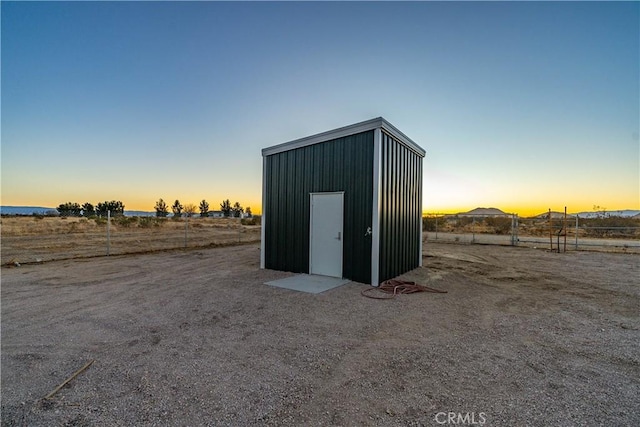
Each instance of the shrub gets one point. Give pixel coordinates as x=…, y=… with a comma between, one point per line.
x=146, y=222
x=254, y=220
x=500, y=225
x=616, y=227
x=149, y=221
x=125, y=221
x=464, y=221
x=429, y=223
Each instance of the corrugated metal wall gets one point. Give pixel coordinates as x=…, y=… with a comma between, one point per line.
x=400, y=213
x=343, y=164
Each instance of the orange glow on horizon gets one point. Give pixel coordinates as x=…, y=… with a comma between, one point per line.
x=147, y=203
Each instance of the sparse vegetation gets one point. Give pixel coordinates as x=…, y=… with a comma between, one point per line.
x=430, y=223
x=28, y=238
x=601, y=227
x=611, y=227
x=500, y=225
x=253, y=220
x=126, y=221
x=149, y=222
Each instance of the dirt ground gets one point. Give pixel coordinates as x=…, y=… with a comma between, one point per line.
x=27, y=239
x=194, y=337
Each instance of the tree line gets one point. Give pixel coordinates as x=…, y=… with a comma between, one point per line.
x=89, y=210
x=162, y=209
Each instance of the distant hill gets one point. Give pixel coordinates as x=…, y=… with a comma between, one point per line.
x=24, y=210
x=554, y=215
x=483, y=212
x=139, y=213
x=40, y=210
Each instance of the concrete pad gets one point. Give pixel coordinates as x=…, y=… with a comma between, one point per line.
x=310, y=283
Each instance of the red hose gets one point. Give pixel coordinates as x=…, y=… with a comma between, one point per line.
x=391, y=288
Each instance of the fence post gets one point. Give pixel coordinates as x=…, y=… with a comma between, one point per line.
x=577, y=232
x=186, y=229
x=564, y=229
x=108, y=231
x=550, y=232
x=436, y=227
x=473, y=230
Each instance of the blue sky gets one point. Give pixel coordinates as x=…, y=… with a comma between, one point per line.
x=520, y=106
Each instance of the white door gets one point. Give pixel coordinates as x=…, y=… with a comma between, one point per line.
x=325, y=251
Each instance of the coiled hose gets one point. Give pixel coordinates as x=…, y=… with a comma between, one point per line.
x=390, y=288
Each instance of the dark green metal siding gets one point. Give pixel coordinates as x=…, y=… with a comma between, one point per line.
x=343, y=164
x=400, y=210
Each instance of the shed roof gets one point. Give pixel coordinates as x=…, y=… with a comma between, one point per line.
x=378, y=122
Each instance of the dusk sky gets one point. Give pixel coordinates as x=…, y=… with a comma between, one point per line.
x=519, y=106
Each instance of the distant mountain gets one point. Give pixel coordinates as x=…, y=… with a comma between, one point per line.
x=24, y=210
x=554, y=215
x=139, y=213
x=40, y=210
x=483, y=212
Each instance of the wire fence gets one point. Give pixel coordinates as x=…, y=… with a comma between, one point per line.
x=31, y=239
x=555, y=232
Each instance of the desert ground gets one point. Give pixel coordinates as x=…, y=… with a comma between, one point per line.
x=29, y=239
x=35, y=239
x=194, y=337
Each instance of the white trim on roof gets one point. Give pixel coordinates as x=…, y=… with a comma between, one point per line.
x=377, y=123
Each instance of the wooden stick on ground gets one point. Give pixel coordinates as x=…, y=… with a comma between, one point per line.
x=65, y=382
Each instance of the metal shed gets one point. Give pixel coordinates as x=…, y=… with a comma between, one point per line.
x=344, y=203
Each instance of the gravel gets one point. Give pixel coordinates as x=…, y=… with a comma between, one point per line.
x=523, y=337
